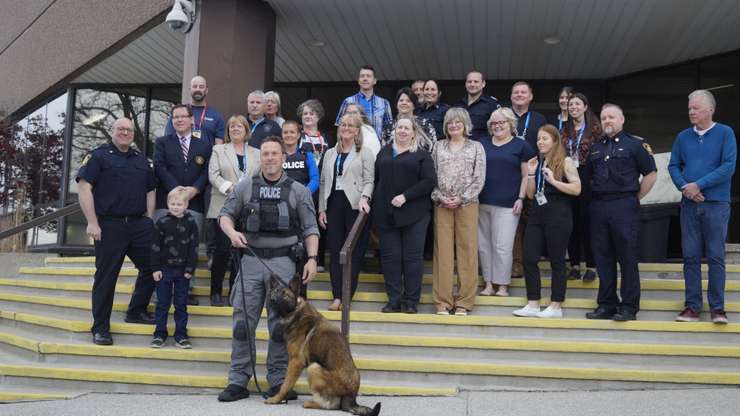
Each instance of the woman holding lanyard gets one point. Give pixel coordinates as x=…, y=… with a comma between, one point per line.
x=560, y=118
x=552, y=180
x=404, y=180
x=310, y=112
x=501, y=200
x=345, y=189
x=578, y=133
x=406, y=102
x=460, y=164
x=229, y=163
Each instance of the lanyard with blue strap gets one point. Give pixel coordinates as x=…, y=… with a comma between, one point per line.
x=539, y=195
x=526, y=125
x=337, y=176
x=574, y=150
x=560, y=122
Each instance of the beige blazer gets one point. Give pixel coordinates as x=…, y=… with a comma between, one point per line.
x=358, y=176
x=223, y=173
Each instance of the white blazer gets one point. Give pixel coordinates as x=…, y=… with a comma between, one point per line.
x=358, y=176
x=223, y=172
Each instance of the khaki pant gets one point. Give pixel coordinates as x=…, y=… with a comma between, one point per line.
x=455, y=230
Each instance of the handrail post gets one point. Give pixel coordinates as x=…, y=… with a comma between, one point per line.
x=345, y=259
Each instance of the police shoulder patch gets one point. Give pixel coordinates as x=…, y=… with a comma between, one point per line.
x=86, y=159
x=647, y=148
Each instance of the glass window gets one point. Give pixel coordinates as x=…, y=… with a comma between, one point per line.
x=162, y=101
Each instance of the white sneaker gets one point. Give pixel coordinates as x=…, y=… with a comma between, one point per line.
x=526, y=311
x=550, y=312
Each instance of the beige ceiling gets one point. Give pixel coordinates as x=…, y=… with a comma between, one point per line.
x=443, y=39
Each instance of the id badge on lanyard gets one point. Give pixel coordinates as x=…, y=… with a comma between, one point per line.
x=574, y=152
x=338, y=175
x=539, y=196
x=196, y=129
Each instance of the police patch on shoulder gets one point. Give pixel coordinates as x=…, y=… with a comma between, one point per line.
x=200, y=160
x=86, y=159
x=648, y=148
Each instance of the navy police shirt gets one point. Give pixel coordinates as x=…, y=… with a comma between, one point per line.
x=120, y=180
x=480, y=111
x=435, y=113
x=615, y=165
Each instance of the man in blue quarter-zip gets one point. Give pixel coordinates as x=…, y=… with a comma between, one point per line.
x=702, y=165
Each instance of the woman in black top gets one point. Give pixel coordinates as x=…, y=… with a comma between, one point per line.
x=404, y=180
x=552, y=182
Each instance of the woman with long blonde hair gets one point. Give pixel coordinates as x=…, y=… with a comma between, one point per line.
x=552, y=181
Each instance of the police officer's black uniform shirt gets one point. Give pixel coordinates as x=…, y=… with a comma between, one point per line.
x=480, y=110
x=435, y=113
x=615, y=165
x=120, y=180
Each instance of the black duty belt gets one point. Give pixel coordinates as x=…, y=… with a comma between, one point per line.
x=268, y=253
x=610, y=196
x=121, y=218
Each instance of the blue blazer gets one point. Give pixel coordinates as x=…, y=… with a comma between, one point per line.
x=172, y=170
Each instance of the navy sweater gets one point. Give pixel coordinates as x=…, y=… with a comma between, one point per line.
x=708, y=160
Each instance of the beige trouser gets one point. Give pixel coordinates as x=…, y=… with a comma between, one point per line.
x=455, y=230
x=496, y=230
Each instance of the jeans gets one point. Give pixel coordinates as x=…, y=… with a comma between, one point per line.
x=704, y=231
x=173, y=284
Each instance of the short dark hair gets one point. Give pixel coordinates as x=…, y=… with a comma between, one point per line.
x=476, y=71
x=409, y=93
x=294, y=123
x=185, y=106
x=273, y=139
x=518, y=83
x=368, y=67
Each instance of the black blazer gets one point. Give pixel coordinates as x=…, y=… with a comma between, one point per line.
x=172, y=170
x=410, y=174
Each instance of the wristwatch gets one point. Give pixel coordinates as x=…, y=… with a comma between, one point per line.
x=314, y=258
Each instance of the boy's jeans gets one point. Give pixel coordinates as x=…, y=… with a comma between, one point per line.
x=173, y=283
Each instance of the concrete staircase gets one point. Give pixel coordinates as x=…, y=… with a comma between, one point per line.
x=46, y=351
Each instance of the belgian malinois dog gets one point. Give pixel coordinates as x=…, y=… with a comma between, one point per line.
x=315, y=343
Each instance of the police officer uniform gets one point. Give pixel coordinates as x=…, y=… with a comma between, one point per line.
x=480, y=111
x=120, y=184
x=614, y=166
x=285, y=217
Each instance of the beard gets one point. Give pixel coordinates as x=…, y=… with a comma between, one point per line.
x=197, y=96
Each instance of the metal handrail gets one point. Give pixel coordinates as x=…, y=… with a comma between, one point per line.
x=345, y=259
x=61, y=212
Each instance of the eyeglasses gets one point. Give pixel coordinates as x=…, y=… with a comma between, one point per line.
x=124, y=130
x=179, y=117
x=345, y=125
x=498, y=123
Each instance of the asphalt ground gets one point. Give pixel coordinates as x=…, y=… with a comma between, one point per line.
x=711, y=401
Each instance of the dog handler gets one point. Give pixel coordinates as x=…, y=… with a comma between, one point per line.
x=277, y=217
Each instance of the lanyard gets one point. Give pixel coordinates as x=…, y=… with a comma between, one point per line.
x=313, y=146
x=540, y=177
x=574, y=150
x=256, y=123
x=202, y=117
x=560, y=122
x=526, y=125
x=339, y=162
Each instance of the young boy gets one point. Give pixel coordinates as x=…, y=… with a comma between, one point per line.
x=174, y=256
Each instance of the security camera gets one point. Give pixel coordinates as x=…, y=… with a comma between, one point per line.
x=182, y=15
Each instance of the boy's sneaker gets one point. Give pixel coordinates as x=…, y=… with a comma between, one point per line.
x=184, y=344
x=719, y=317
x=688, y=315
x=157, y=343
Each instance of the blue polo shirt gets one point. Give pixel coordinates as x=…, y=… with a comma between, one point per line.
x=211, y=125
x=708, y=160
x=504, y=171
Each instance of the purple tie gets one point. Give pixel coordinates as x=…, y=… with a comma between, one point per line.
x=184, y=147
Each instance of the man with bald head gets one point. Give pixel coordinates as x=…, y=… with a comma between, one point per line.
x=116, y=191
x=208, y=123
x=702, y=164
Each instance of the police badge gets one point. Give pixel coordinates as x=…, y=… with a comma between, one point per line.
x=200, y=160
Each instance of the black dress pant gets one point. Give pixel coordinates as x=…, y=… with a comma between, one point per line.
x=222, y=261
x=402, y=254
x=549, y=226
x=579, y=246
x=615, y=230
x=118, y=239
x=340, y=218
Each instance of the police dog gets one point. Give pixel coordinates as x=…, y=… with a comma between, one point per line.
x=315, y=343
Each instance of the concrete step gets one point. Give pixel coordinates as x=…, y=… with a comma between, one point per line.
x=30, y=393
x=134, y=345
x=211, y=364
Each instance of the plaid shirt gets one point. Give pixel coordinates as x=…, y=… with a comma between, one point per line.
x=380, y=115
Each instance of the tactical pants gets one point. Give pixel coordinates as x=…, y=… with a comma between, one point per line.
x=254, y=281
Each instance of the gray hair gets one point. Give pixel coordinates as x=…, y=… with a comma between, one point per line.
x=610, y=105
x=706, y=95
x=458, y=113
x=275, y=96
x=259, y=93
x=506, y=113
